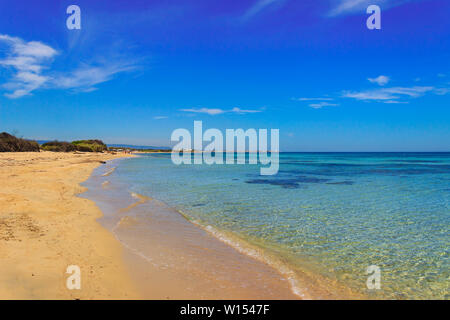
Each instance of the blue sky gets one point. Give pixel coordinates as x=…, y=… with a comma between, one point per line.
x=137, y=70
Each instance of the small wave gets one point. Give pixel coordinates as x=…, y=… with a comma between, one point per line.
x=107, y=173
x=134, y=250
x=141, y=200
x=127, y=221
x=140, y=197
x=105, y=184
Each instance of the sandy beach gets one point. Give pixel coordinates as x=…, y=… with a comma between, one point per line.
x=45, y=227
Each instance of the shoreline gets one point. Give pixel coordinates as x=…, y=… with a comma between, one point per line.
x=46, y=227
x=170, y=257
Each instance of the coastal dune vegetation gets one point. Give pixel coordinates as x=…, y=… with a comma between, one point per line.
x=80, y=145
x=58, y=146
x=90, y=145
x=10, y=143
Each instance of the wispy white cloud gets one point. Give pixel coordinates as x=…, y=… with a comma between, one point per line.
x=243, y=111
x=26, y=60
x=29, y=63
x=209, y=111
x=390, y=95
x=380, y=80
x=442, y=91
x=160, y=117
x=259, y=6
x=320, y=105
x=369, y=95
x=312, y=99
x=85, y=77
x=413, y=92
x=395, y=102
x=343, y=7
x=216, y=111
x=32, y=49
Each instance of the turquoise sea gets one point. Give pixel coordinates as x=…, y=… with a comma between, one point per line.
x=331, y=213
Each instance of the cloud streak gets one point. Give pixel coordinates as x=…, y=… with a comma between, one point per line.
x=350, y=6
x=344, y=7
x=29, y=63
x=312, y=99
x=217, y=111
x=259, y=6
x=388, y=95
x=85, y=77
x=391, y=95
x=320, y=105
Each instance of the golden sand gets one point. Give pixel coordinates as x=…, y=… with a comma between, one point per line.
x=45, y=227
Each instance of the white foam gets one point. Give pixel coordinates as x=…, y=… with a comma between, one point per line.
x=257, y=254
x=107, y=173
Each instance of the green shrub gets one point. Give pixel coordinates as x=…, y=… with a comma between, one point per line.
x=80, y=145
x=58, y=146
x=90, y=145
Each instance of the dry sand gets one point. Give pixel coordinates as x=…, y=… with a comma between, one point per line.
x=45, y=227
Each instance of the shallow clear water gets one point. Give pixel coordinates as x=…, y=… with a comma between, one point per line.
x=335, y=213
